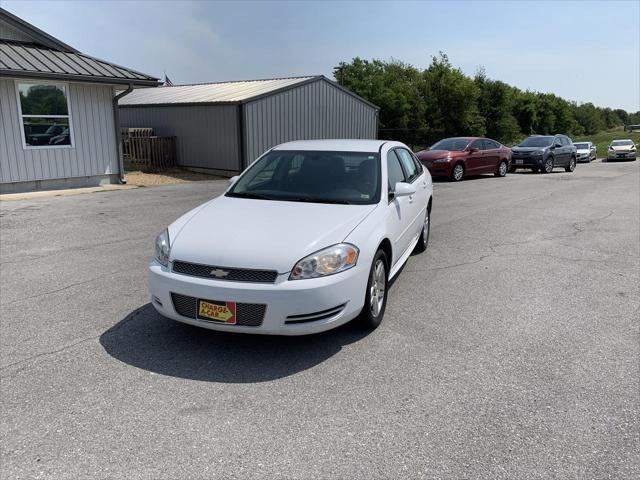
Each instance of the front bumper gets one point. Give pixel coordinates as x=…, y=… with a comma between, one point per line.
x=621, y=155
x=283, y=299
x=529, y=161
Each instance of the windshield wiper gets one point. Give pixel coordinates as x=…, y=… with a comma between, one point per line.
x=257, y=196
x=317, y=200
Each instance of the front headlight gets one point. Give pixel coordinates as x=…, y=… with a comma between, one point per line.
x=442, y=160
x=328, y=261
x=163, y=247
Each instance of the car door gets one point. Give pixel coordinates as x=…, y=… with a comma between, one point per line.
x=475, y=161
x=559, y=154
x=414, y=175
x=399, y=209
x=490, y=157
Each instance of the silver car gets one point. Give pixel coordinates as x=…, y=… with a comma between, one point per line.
x=587, y=151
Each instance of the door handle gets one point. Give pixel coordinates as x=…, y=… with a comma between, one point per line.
x=410, y=198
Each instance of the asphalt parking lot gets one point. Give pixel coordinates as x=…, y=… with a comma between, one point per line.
x=510, y=349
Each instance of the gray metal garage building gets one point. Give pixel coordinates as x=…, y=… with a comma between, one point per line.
x=223, y=127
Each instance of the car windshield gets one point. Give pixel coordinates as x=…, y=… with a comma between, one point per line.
x=537, y=142
x=312, y=176
x=581, y=146
x=451, y=144
x=620, y=143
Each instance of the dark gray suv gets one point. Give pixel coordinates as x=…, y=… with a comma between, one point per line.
x=543, y=153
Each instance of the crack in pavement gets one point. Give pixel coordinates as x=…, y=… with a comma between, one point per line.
x=51, y=292
x=110, y=331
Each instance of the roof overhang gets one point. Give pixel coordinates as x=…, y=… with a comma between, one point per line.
x=78, y=78
x=34, y=32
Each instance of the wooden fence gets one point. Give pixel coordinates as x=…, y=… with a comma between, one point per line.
x=144, y=151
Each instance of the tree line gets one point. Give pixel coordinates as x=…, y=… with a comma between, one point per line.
x=420, y=107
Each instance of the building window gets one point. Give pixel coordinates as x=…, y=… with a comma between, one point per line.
x=44, y=113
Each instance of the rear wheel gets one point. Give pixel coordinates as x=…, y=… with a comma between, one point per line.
x=572, y=165
x=423, y=241
x=502, y=169
x=375, y=300
x=457, y=173
x=548, y=165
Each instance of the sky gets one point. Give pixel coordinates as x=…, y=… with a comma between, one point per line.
x=583, y=51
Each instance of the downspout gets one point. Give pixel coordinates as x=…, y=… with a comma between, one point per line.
x=116, y=121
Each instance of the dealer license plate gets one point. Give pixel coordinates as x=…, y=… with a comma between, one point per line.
x=223, y=312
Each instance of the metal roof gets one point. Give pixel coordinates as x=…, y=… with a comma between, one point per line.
x=20, y=59
x=223, y=92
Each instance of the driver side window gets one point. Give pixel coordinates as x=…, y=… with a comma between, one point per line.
x=394, y=170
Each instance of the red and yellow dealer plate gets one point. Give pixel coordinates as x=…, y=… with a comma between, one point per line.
x=223, y=312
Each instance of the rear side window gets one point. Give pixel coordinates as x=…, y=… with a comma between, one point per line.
x=490, y=144
x=479, y=144
x=410, y=169
x=394, y=170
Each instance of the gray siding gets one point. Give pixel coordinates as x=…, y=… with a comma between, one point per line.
x=207, y=136
x=7, y=32
x=94, y=152
x=317, y=110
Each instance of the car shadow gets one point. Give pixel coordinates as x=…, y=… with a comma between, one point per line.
x=147, y=340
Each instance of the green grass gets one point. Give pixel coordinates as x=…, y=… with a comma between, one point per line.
x=603, y=139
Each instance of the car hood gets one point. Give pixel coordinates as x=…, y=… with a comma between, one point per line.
x=262, y=234
x=434, y=154
x=621, y=148
x=528, y=149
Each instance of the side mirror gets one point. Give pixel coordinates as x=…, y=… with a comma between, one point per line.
x=233, y=180
x=473, y=150
x=404, y=189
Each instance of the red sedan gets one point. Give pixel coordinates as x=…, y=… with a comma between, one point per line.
x=458, y=157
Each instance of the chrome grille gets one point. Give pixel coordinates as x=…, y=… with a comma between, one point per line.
x=248, y=314
x=224, y=273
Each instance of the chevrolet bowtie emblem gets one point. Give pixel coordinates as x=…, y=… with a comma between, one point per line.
x=218, y=273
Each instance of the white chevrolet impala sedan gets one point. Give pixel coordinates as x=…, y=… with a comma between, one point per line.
x=306, y=239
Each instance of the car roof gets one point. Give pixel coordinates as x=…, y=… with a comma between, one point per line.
x=336, y=145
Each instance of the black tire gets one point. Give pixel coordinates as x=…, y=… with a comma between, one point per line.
x=423, y=241
x=457, y=173
x=368, y=318
x=549, y=163
x=572, y=165
x=503, y=167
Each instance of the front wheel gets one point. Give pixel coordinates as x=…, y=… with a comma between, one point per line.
x=457, y=173
x=375, y=300
x=572, y=165
x=502, y=169
x=423, y=241
x=548, y=165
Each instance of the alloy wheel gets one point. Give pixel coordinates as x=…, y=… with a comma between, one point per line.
x=572, y=165
x=425, y=231
x=458, y=172
x=548, y=165
x=378, y=287
x=503, y=169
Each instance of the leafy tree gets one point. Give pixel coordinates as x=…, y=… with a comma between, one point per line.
x=420, y=107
